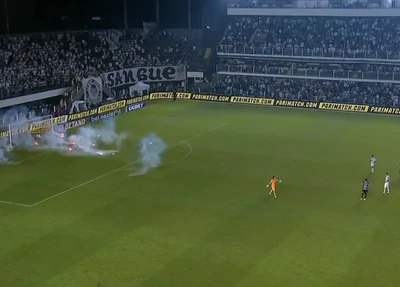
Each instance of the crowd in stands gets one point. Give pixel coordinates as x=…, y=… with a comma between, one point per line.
x=310, y=4
x=46, y=61
x=323, y=33
x=311, y=90
x=51, y=106
x=31, y=63
x=326, y=34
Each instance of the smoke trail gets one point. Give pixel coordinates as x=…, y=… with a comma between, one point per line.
x=3, y=158
x=52, y=140
x=16, y=117
x=105, y=133
x=13, y=115
x=87, y=138
x=150, y=150
x=83, y=142
x=24, y=141
x=5, y=151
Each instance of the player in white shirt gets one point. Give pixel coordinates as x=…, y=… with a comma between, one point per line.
x=386, y=185
x=372, y=163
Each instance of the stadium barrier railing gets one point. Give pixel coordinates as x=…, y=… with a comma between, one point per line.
x=255, y=51
x=124, y=106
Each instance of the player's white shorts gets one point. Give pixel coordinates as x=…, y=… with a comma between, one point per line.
x=372, y=165
x=386, y=186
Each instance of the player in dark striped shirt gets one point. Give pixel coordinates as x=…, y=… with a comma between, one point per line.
x=365, y=188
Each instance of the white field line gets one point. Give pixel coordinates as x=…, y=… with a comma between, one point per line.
x=34, y=156
x=203, y=133
x=183, y=157
x=21, y=161
x=186, y=142
x=79, y=185
x=190, y=150
x=118, y=169
x=14, y=203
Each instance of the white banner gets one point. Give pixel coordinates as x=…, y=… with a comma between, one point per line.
x=145, y=74
x=148, y=28
x=113, y=39
x=93, y=90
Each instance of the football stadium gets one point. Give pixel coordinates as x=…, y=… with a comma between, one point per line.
x=156, y=170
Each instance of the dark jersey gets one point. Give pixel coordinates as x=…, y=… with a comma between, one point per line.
x=365, y=186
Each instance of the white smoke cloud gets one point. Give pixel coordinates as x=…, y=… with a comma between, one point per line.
x=14, y=116
x=151, y=149
x=84, y=142
x=87, y=139
x=3, y=157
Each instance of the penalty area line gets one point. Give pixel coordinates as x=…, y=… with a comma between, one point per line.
x=80, y=185
x=203, y=133
x=14, y=203
x=183, y=157
x=189, y=146
x=34, y=156
x=117, y=169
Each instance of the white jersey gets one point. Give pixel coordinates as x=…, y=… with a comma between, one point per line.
x=373, y=161
x=386, y=185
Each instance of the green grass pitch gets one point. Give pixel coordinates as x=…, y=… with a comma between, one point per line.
x=204, y=218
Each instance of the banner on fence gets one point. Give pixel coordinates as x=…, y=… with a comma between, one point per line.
x=108, y=115
x=210, y=98
x=138, y=99
x=183, y=96
x=254, y=101
x=344, y=107
x=296, y=104
x=60, y=120
x=114, y=109
x=134, y=107
x=75, y=124
x=383, y=110
x=163, y=95
x=93, y=90
x=81, y=115
x=111, y=107
x=144, y=74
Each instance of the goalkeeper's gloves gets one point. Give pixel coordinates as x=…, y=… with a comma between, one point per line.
x=267, y=185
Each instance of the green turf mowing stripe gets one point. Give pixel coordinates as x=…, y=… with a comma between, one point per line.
x=208, y=220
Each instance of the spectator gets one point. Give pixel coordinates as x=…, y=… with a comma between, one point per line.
x=39, y=62
x=308, y=4
x=355, y=35
x=312, y=90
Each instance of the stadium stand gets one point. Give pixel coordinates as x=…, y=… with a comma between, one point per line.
x=40, y=62
x=33, y=63
x=313, y=90
x=308, y=4
x=338, y=59
x=373, y=38
x=335, y=71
